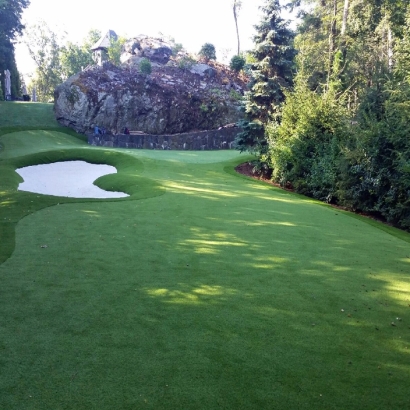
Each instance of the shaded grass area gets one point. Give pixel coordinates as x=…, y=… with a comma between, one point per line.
x=221, y=293
x=396, y=232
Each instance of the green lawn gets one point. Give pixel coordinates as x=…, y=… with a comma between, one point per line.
x=202, y=290
x=23, y=114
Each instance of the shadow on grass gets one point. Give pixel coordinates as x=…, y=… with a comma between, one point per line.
x=280, y=322
x=223, y=294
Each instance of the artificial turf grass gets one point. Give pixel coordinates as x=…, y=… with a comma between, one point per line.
x=135, y=323
x=27, y=114
x=21, y=143
x=398, y=233
x=15, y=205
x=203, y=298
x=201, y=327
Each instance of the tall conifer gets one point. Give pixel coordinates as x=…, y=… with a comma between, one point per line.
x=271, y=73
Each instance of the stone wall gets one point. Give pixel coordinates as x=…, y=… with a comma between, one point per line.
x=199, y=140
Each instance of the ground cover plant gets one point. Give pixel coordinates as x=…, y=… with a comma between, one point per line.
x=202, y=290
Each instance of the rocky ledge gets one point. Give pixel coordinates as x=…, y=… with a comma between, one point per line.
x=174, y=98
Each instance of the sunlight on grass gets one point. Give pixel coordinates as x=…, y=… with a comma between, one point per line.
x=209, y=247
x=191, y=157
x=214, y=243
x=403, y=347
x=272, y=312
x=264, y=223
x=195, y=296
x=399, y=290
x=93, y=214
x=268, y=262
x=341, y=269
x=7, y=203
x=290, y=200
x=178, y=188
x=312, y=272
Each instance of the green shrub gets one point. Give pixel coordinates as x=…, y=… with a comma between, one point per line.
x=186, y=62
x=145, y=66
x=208, y=52
x=234, y=95
x=304, y=149
x=375, y=171
x=237, y=63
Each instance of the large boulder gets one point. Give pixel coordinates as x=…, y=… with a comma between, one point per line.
x=170, y=100
x=203, y=70
x=157, y=50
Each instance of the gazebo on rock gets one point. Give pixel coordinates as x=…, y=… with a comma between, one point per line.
x=100, y=48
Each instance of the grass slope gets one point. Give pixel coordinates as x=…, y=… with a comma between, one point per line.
x=26, y=114
x=212, y=291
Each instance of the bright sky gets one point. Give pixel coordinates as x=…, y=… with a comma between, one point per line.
x=189, y=22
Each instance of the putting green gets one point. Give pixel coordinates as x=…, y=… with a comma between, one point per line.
x=211, y=291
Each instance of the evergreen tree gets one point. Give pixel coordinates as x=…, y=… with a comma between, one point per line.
x=343, y=131
x=271, y=73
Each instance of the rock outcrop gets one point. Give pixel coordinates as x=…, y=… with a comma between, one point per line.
x=172, y=99
x=157, y=50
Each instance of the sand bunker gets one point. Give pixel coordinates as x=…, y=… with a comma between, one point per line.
x=70, y=179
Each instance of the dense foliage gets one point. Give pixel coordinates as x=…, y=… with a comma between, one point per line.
x=44, y=48
x=56, y=60
x=341, y=132
x=75, y=57
x=10, y=28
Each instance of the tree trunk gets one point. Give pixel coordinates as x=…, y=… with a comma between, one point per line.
x=345, y=16
x=235, y=16
x=332, y=41
x=390, y=48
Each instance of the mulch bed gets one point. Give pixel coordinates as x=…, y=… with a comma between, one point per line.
x=248, y=169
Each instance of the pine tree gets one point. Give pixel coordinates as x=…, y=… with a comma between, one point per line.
x=271, y=73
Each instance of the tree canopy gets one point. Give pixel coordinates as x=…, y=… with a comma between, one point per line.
x=10, y=28
x=10, y=18
x=339, y=129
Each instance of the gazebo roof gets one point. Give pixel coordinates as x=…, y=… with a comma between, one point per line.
x=104, y=41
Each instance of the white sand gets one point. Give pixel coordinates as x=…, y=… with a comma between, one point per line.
x=70, y=179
